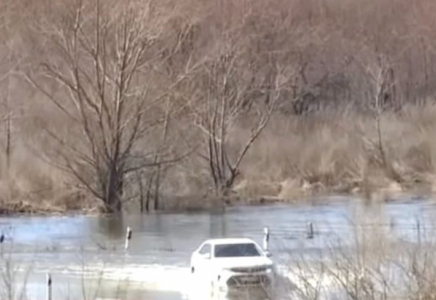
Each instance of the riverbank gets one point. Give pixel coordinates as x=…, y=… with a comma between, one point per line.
x=300, y=195
x=61, y=206
x=295, y=159
x=323, y=154
x=197, y=204
x=284, y=193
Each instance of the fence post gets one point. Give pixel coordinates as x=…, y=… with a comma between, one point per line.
x=49, y=284
x=128, y=237
x=310, y=233
x=265, y=238
x=2, y=239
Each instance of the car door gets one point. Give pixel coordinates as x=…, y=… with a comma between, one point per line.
x=203, y=259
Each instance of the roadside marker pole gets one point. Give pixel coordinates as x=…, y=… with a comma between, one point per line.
x=265, y=238
x=49, y=284
x=2, y=239
x=310, y=230
x=128, y=237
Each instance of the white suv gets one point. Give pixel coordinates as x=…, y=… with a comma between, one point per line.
x=228, y=264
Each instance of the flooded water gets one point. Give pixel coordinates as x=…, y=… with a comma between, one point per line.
x=86, y=258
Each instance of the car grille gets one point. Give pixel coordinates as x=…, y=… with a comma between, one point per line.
x=236, y=281
x=249, y=270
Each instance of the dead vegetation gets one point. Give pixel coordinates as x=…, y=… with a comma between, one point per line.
x=372, y=263
x=341, y=155
x=112, y=103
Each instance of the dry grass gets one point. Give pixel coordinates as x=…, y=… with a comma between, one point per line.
x=376, y=265
x=339, y=153
x=16, y=277
x=33, y=186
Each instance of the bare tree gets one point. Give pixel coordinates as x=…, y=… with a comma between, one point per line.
x=231, y=93
x=105, y=63
x=382, y=83
x=10, y=64
x=154, y=177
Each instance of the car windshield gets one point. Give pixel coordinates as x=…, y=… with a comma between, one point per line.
x=236, y=250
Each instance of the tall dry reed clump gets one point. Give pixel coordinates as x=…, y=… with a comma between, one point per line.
x=343, y=153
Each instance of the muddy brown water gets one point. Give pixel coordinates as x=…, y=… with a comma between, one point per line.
x=86, y=258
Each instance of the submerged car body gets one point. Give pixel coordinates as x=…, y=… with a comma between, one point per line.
x=232, y=263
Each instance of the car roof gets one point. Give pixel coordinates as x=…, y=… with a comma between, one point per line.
x=229, y=241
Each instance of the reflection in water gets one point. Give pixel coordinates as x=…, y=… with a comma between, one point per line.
x=162, y=226
x=217, y=225
x=112, y=226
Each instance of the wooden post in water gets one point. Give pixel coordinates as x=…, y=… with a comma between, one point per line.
x=265, y=238
x=49, y=284
x=310, y=233
x=2, y=239
x=128, y=237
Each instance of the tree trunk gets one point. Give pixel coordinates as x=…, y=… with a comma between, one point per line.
x=156, y=191
x=114, y=190
x=148, y=197
x=141, y=191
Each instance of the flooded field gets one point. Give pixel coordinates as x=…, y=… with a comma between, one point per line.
x=86, y=257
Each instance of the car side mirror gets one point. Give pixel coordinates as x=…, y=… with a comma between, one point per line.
x=205, y=255
x=268, y=254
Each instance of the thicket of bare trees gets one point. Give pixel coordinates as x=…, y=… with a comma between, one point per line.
x=105, y=61
x=142, y=101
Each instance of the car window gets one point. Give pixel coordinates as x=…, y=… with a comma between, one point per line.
x=236, y=250
x=205, y=249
